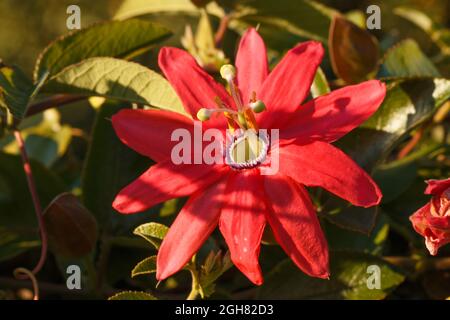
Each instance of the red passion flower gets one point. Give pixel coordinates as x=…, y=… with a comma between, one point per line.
x=432, y=221
x=236, y=196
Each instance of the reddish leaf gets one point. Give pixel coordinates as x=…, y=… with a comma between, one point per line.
x=71, y=228
x=354, y=52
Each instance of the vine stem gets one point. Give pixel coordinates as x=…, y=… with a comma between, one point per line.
x=22, y=272
x=192, y=267
x=194, y=290
x=54, y=101
x=37, y=207
x=220, y=33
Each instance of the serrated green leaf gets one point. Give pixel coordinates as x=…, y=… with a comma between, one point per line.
x=15, y=91
x=214, y=266
x=116, y=79
x=152, y=232
x=132, y=295
x=115, y=39
x=320, y=85
x=348, y=280
x=407, y=60
x=407, y=104
x=146, y=266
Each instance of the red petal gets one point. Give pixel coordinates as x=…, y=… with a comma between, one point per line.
x=164, y=181
x=149, y=131
x=437, y=186
x=331, y=116
x=295, y=225
x=419, y=219
x=251, y=64
x=194, y=86
x=191, y=228
x=321, y=164
x=288, y=84
x=242, y=222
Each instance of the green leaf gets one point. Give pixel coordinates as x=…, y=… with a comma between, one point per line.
x=18, y=225
x=132, y=8
x=437, y=32
x=351, y=217
x=320, y=85
x=146, y=266
x=395, y=177
x=132, y=295
x=14, y=242
x=116, y=79
x=15, y=91
x=348, y=280
x=213, y=267
x=122, y=39
x=109, y=166
x=302, y=18
x=407, y=60
x=342, y=239
x=407, y=104
x=18, y=210
x=353, y=51
x=152, y=232
x=46, y=139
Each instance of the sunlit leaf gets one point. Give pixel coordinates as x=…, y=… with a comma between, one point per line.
x=407, y=60
x=436, y=31
x=116, y=79
x=46, y=139
x=15, y=91
x=152, y=232
x=320, y=84
x=407, y=104
x=146, y=266
x=132, y=295
x=132, y=8
x=115, y=39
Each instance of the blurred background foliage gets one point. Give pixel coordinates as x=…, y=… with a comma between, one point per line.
x=74, y=149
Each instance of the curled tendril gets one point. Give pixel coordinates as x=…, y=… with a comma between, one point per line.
x=23, y=273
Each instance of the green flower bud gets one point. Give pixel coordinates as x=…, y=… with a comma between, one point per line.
x=228, y=72
x=204, y=114
x=257, y=106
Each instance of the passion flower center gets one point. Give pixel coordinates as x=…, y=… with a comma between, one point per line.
x=247, y=150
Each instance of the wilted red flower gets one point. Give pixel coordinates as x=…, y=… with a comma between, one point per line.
x=238, y=198
x=432, y=221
